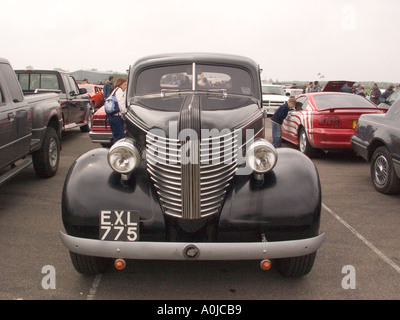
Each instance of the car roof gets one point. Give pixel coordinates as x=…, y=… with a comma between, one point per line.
x=199, y=57
x=3, y=60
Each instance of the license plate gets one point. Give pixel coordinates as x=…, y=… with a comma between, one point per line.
x=119, y=225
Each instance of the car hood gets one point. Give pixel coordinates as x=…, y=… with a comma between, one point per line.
x=335, y=86
x=161, y=113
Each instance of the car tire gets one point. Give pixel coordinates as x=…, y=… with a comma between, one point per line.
x=304, y=144
x=88, y=125
x=296, y=267
x=47, y=158
x=383, y=175
x=89, y=265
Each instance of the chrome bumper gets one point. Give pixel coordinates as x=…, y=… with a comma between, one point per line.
x=192, y=251
x=99, y=137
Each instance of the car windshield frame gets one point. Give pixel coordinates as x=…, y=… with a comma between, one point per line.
x=341, y=100
x=210, y=78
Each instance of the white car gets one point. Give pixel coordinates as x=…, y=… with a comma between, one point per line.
x=293, y=93
x=273, y=96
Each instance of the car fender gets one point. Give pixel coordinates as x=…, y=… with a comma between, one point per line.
x=92, y=186
x=288, y=199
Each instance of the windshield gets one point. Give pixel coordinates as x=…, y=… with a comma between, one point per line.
x=273, y=90
x=206, y=77
x=89, y=89
x=328, y=101
x=393, y=97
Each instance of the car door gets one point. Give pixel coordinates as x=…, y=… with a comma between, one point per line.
x=294, y=119
x=15, y=114
x=78, y=103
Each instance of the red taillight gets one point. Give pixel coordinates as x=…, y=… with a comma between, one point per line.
x=329, y=122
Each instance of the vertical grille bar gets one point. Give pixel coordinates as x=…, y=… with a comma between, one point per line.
x=190, y=158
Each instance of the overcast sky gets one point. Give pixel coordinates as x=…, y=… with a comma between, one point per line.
x=290, y=39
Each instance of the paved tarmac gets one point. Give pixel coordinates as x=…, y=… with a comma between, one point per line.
x=359, y=260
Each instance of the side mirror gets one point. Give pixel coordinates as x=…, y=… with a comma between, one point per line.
x=288, y=94
x=82, y=90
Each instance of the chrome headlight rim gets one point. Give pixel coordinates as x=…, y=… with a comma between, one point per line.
x=123, y=157
x=255, y=149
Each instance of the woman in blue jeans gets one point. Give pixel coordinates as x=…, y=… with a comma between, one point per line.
x=117, y=124
x=277, y=120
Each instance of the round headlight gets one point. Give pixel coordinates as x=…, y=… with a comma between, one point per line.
x=123, y=156
x=261, y=156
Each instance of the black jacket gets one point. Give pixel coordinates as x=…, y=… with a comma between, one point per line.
x=280, y=114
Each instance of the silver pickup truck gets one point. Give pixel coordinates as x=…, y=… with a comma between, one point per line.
x=30, y=128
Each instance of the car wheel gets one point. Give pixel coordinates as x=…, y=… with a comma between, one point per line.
x=88, y=125
x=89, y=265
x=304, y=144
x=383, y=174
x=296, y=267
x=47, y=158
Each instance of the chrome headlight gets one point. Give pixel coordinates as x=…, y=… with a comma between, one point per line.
x=261, y=156
x=123, y=156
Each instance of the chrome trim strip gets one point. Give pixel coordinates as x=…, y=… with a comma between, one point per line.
x=207, y=250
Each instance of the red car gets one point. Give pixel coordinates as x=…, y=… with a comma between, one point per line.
x=325, y=120
x=101, y=132
x=95, y=92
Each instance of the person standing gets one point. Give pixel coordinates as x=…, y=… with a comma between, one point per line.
x=375, y=94
x=277, y=120
x=116, y=121
x=317, y=87
x=108, y=87
x=310, y=87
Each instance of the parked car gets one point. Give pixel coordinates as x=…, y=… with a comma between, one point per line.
x=30, y=128
x=338, y=86
x=95, y=93
x=387, y=103
x=184, y=184
x=273, y=96
x=100, y=129
x=377, y=140
x=293, y=93
x=76, y=106
x=325, y=120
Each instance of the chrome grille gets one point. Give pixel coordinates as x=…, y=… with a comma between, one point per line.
x=192, y=190
x=267, y=103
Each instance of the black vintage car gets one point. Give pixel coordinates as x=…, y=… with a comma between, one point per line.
x=195, y=179
x=377, y=139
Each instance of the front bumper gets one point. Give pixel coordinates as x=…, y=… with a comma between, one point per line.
x=360, y=147
x=192, y=251
x=101, y=137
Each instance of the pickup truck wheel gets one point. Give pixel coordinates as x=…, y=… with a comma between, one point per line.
x=297, y=266
x=47, y=158
x=383, y=174
x=304, y=144
x=88, y=265
x=88, y=126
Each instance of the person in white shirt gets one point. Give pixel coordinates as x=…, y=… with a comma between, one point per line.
x=117, y=124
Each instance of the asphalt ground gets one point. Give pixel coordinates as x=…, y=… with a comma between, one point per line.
x=360, y=259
